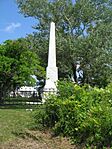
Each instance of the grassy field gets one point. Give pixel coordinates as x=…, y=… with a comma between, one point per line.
x=15, y=132
x=13, y=122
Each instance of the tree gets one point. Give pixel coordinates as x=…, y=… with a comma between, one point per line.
x=83, y=33
x=17, y=63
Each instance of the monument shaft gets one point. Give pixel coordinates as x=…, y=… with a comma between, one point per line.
x=52, y=70
x=52, y=47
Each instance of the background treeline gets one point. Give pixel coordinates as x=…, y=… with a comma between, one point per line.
x=17, y=63
x=83, y=33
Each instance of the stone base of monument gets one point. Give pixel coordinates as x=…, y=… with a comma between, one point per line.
x=49, y=89
x=47, y=94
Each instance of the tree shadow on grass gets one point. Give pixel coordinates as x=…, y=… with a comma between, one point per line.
x=20, y=103
x=14, y=106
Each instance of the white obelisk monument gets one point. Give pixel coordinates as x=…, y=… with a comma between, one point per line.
x=51, y=70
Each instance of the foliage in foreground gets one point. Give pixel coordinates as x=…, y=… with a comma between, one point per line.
x=82, y=113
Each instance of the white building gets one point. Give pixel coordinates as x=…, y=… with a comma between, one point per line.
x=27, y=91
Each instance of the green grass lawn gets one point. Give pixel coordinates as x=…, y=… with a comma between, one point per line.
x=16, y=132
x=13, y=122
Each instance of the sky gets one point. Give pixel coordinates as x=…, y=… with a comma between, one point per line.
x=13, y=25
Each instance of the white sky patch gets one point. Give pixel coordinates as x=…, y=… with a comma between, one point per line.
x=11, y=27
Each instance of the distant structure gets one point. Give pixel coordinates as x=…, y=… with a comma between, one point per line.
x=78, y=74
x=51, y=70
x=27, y=91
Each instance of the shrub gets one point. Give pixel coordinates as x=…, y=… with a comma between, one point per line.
x=66, y=89
x=83, y=113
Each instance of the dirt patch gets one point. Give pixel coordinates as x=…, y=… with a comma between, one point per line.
x=38, y=140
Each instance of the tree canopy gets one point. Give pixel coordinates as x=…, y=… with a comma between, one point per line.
x=17, y=64
x=83, y=33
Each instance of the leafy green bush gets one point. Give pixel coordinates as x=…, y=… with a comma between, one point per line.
x=66, y=89
x=83, y=113
x=39, y=116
